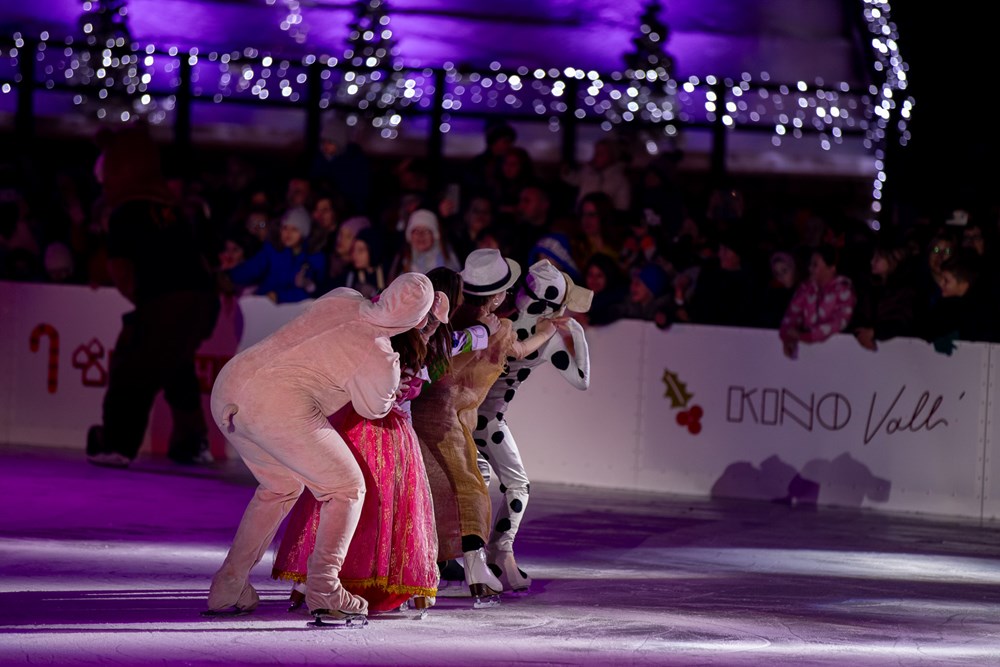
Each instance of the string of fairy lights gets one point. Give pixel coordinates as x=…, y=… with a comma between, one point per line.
x=113, y=77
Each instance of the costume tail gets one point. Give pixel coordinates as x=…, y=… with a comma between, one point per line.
x=228, y=413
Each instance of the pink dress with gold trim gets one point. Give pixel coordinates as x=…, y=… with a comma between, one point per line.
x=393, y=553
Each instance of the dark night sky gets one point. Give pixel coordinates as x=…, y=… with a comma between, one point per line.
x=951, y=161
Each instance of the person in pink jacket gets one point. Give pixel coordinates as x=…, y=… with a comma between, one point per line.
x=820, y=307
x=272, y=401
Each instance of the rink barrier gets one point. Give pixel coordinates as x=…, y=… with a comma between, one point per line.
x=694, y=410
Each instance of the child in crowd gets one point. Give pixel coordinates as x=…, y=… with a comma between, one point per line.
x=288, y=274
x=822, y=305
x=425, y=247
x=366, y=274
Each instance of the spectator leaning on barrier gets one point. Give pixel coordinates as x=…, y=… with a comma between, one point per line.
x=822, y=305
x=287, y=274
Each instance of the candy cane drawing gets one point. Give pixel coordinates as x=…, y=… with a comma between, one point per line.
x=36, y=341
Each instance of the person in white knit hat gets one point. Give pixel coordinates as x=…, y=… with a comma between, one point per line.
x=425, y=247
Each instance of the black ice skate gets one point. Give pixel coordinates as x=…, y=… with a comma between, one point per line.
x=333, y=618
x=228, y=612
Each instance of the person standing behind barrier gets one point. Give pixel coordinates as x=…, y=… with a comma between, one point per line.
x=287, y=274
x=156, y=263
x=273, y=402
x=822, y=305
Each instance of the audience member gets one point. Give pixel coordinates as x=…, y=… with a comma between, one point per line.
x=822, y=305
x=603, y=173
x=289, y=274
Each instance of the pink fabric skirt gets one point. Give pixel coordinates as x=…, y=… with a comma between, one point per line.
x=393, y=554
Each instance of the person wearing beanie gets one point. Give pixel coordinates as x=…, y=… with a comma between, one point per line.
x=648, y=298
x=444, y=417
x=58, y=262
x=555, y=248
x=287, y=274
x=425, y=247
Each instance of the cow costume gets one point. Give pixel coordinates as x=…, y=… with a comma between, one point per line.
x=546, y=292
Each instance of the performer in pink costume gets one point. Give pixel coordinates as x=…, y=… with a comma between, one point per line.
x=273, y=400
x=393, y=554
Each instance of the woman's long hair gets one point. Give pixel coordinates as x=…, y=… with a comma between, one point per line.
x=439, y=346
x=411, y=349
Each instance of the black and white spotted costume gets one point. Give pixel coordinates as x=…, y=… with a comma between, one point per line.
x=544, y=294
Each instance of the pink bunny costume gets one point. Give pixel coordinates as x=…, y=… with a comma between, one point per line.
x=273, y=400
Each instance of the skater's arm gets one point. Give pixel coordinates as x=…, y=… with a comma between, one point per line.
x=573, y=362
x=543, y=332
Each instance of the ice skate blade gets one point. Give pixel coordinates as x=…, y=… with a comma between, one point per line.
x=482, y=591
x=485, y=602
x=323, y=618
x=225, y=613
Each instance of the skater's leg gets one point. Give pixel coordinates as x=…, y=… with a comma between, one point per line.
x=328, y=467
x=505, y=460
x=278, y=490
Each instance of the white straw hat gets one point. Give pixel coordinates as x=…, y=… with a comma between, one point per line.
x=488, y=272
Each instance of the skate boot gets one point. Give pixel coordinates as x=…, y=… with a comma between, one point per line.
x=452, y=583
x=483, y=583
x=511, y=576
x=297, y=597
x=98, y=455
x=422, y=603
x=246, y=603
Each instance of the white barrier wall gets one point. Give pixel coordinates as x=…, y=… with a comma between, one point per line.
x=900, y=429
x=693, y=410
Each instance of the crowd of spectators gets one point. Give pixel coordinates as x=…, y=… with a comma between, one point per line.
x=648, y=249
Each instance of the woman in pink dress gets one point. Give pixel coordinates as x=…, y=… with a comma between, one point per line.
x=393, y=554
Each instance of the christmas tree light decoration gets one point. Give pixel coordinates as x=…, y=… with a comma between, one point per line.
x=891, y=67
x=374, y=83
x=292, y=22
x=107, y=74
x=108, y=61
x=650, y=91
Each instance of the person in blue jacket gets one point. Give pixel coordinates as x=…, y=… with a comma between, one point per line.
x=286, y=274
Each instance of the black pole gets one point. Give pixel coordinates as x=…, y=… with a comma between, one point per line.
x=182, y=119
x=24, y=117
x=718, y=162
x=314, y=112
x=888, y=215
x=435, y=139
x=571, y=96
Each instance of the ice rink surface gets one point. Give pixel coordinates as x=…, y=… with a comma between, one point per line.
x=111, y=567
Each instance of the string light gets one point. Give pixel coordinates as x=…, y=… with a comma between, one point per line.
x=369, y=81
x=374, y=84
x=105, y=68
x=889, y=102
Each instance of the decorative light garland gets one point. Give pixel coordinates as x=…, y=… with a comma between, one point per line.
x=369, y=81
x=893, y=69
x=107, y=61
x=374, y=82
